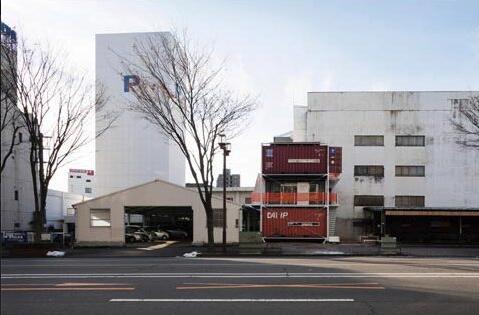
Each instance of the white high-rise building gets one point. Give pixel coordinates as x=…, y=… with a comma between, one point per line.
x=133, y=151
x=17, y=199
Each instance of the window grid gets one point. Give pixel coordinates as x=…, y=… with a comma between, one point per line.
x=410, y=170
x=218, y=217
x=369, y=141
x=369, y=200
x=100, y=218
x=369, y=170
x=410, y=141
x=409, y=201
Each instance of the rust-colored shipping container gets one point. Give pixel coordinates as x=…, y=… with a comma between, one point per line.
x=294, y=158
x=294, y=222
x=335, y=160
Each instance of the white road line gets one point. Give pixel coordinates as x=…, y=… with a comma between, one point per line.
x=232, y=300
x=244, y=275
x=55, y=264
x=110, y=265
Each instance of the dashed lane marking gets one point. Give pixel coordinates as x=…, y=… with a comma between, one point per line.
x=200, y=286
x=232, y=300
x=67, y=289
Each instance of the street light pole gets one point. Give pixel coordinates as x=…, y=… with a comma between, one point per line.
x=224, y=200
x=226, y=147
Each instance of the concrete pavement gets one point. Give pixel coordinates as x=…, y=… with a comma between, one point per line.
x=342, y=285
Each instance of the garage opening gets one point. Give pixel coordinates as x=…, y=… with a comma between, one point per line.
x=434, y=229
x=148, y=224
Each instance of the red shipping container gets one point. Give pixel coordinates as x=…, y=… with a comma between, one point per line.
x=294, y=158
x=294, y=222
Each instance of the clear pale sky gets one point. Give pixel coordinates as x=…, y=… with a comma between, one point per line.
x=279, y=50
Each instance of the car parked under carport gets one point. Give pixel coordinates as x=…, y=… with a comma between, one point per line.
x=101, y=221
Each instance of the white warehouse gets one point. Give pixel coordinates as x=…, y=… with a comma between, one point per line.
x=132, y=151
x=400, y=161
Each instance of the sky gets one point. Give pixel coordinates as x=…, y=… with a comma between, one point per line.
x=278, y=50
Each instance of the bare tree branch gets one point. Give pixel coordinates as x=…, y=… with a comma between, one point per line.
x=180, y=92
x=55, y=104
x=466, y=122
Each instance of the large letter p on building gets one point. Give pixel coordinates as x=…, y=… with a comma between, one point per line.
x=130, y=81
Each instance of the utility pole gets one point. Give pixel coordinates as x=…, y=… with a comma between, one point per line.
x=226, y=147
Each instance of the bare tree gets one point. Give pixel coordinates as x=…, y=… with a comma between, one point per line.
x=9, y=113
x=179, y=91
x=466, y=122
x=56, y=106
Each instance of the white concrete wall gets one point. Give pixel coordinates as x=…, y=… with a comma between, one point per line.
x=452, y=172
x=16, y=176
x=58, y=202
x=133, y=151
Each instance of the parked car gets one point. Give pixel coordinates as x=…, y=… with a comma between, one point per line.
x=156, y=234
x=132, y=237
x=175, y=233
x=138, y=232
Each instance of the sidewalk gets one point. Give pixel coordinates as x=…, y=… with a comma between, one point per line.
x=146, y=250
x=359, y=249
x=287, y=249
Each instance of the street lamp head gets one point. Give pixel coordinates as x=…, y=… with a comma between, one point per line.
x=222, y=138
x=225, y=146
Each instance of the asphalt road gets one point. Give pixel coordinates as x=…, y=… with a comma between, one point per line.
x=299, y=286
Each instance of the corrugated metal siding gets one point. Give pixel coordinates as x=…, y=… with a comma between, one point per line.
x=294, y=222
x=294, y=158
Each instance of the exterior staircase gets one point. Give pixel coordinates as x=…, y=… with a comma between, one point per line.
x=332, y=222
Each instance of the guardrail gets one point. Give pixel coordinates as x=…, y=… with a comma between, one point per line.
x=294, y=198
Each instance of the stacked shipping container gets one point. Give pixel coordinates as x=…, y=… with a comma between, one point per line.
x=294, y=222
x=294, y=158
x=296, y=168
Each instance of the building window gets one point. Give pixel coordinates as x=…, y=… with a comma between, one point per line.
x=409, y=170
x=87, y=190
x=369, y=140
x=16, y=194
x=100, y=217
x=369, y=200
x=70, y=211
x=247, y=200
x=410, y=141
x=218, y=217
x=269, y=153
x=369, y=170
x=20, y=137
x=71, y=176
x=229, y=198
x=88, y=180
x=409, y=201
x=78, y=176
